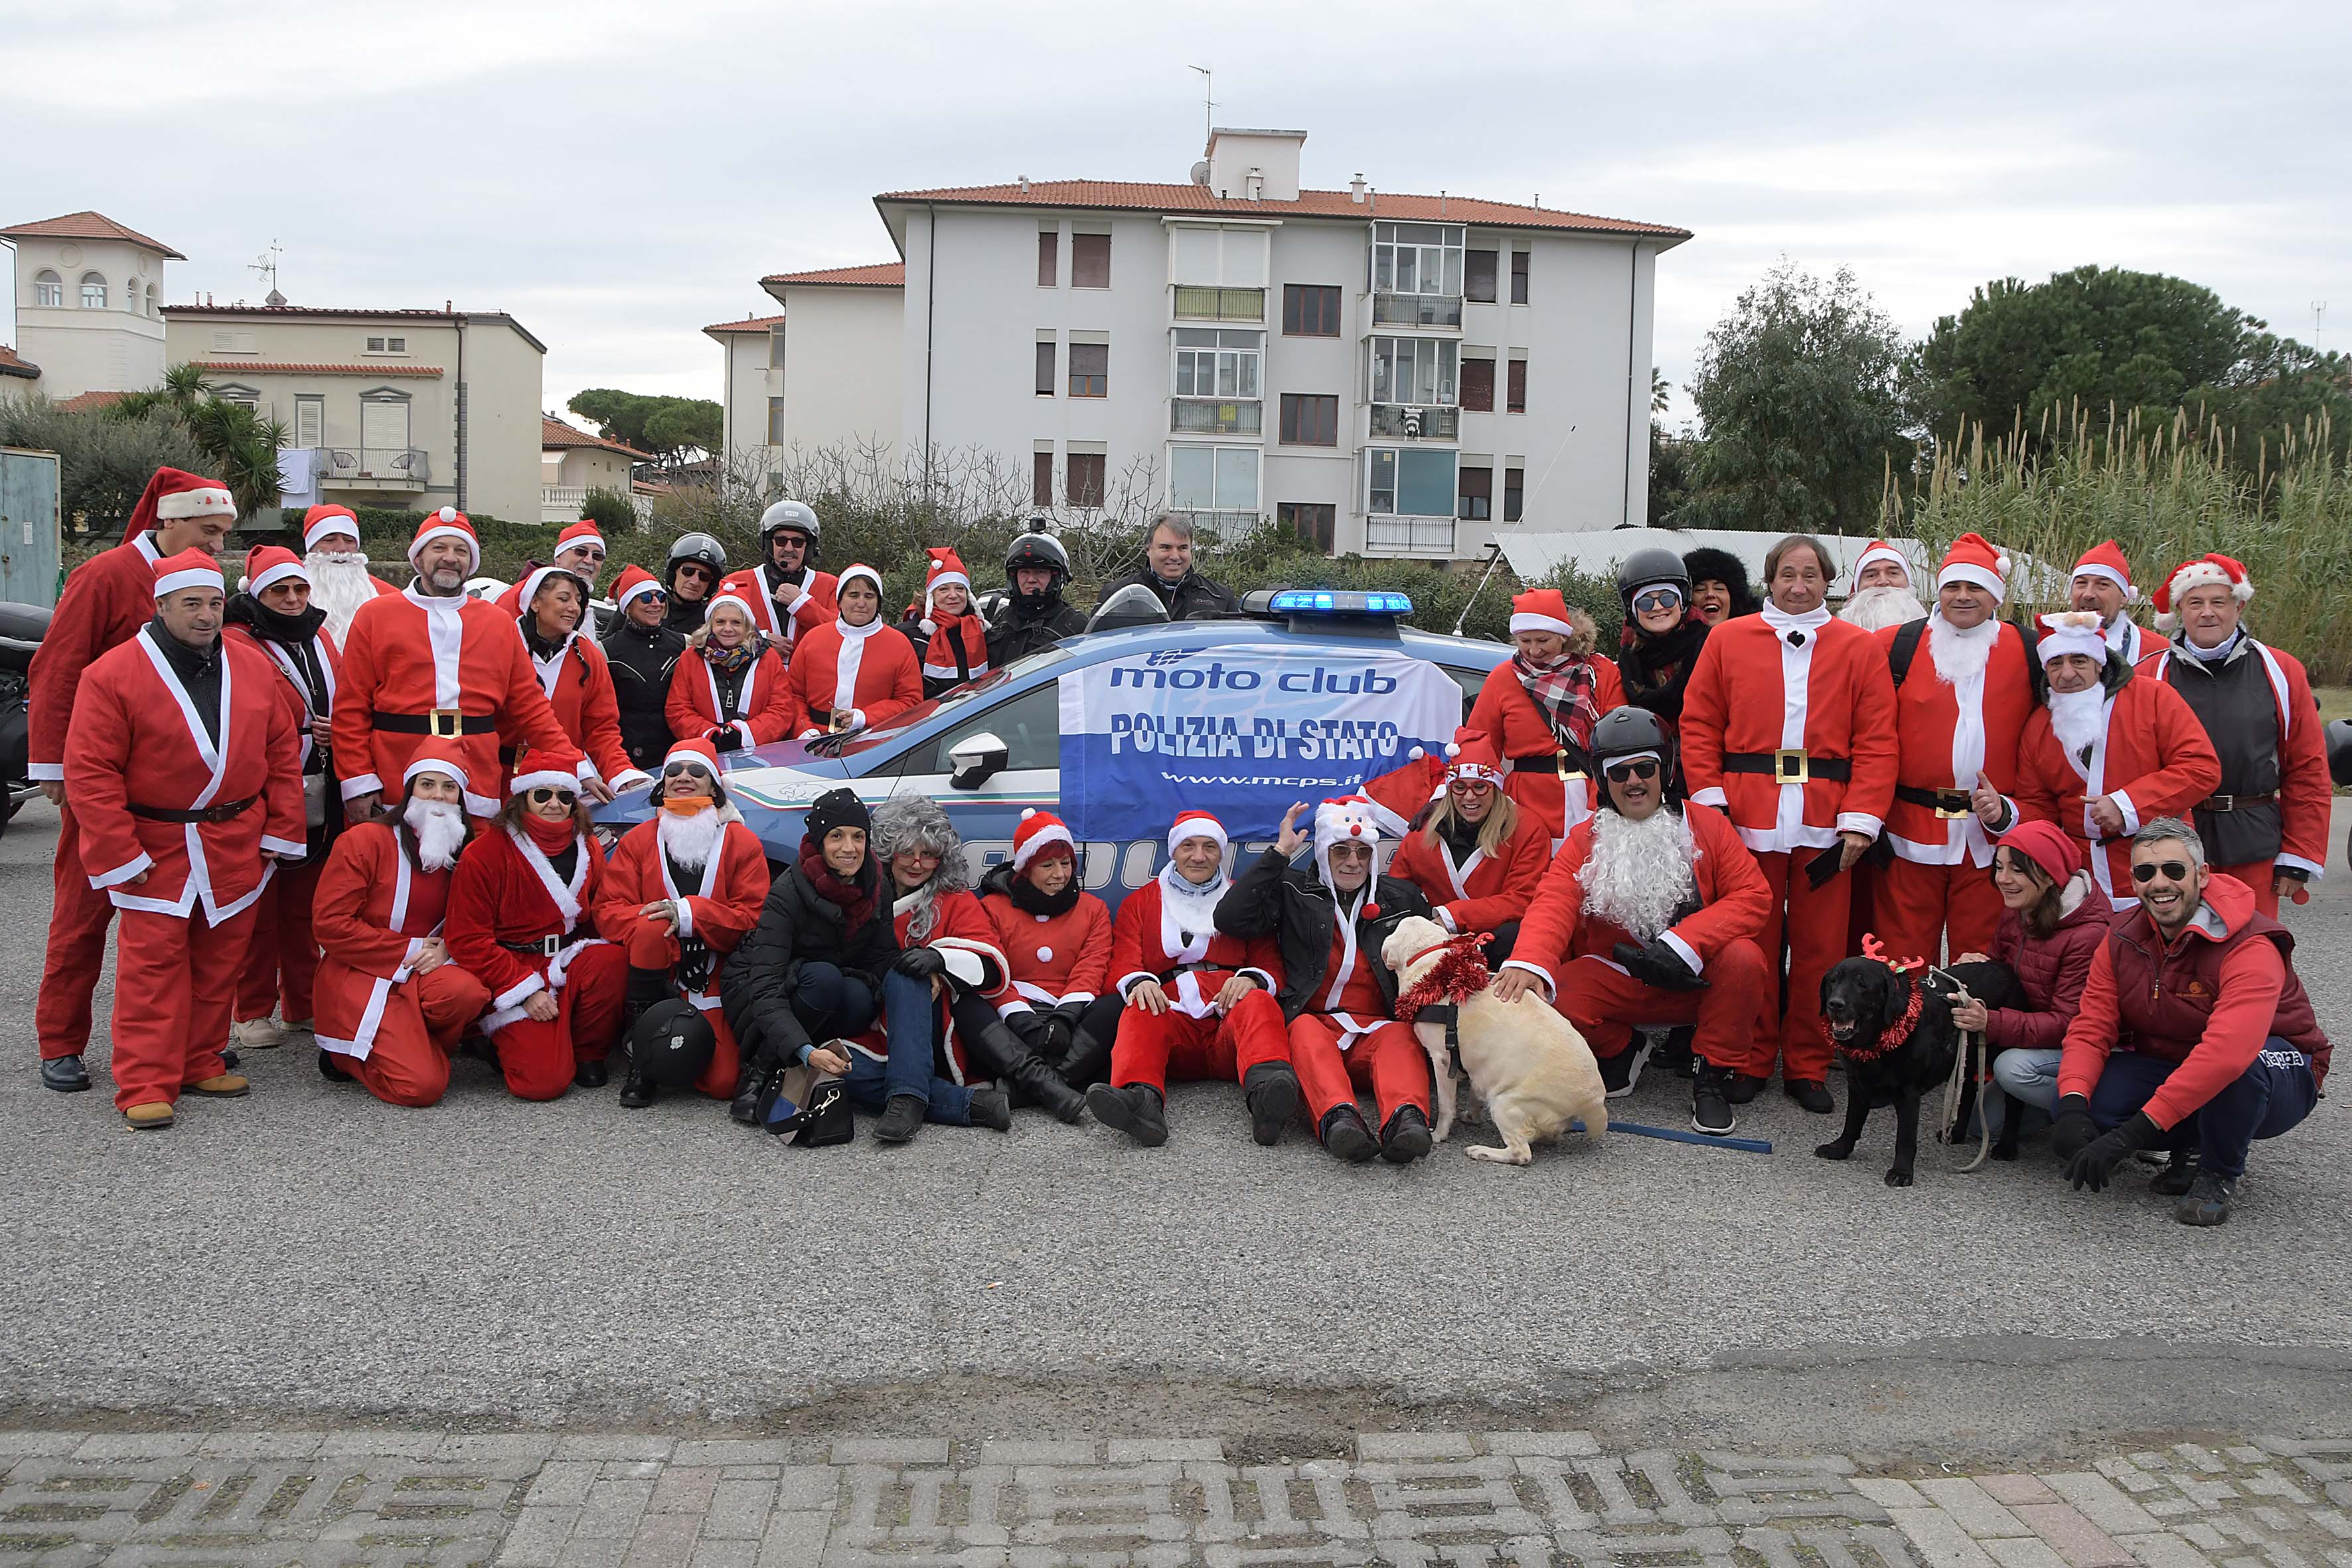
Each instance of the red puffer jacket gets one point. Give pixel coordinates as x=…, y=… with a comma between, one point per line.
x=2051, y=968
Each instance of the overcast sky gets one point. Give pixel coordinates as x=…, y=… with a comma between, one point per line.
x=619, y=175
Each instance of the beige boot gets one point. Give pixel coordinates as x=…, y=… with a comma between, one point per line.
x=148, y=1116
x=222, y=1085
x=257, y=1035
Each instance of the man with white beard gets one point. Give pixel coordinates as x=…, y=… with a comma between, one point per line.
x=1649, y=918
x=2107, y=750
x=390, y=1005
x=1882, y=595
x=340, y=579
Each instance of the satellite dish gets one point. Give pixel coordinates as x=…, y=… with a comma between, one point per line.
x=1200, y=172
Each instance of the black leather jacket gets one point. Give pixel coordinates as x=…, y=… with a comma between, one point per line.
x=641, y=661
x=1194, y=597
x=1013, y=635
x=1290, y=903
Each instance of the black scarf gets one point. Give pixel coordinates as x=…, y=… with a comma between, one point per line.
x=199, y=671
x=1026, y=898
x=1460, y=833
x=1657, y=667
x=540, y=647
x=297, y=636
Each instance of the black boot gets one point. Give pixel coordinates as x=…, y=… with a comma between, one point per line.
x=64, y=1074
x=750, y=1083
x=1085, y=1063
x=636, y=1091
x=1811, y=1093
x=330, y=1070
x=992, y=1108
x=1710, y=1106
x=1037, y=1083
x=901, y=1119
x=1676, y=1056
x=2177, y=1176
x=1344, y=1133
x=1406, y=1137
x=591, y=1074
x=1740, y=1087
x=1136, y=1110
x=1272, y=1090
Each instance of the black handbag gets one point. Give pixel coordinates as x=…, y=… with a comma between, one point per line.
x=808, y=1109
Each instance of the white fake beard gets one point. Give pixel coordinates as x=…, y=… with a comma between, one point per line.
x=1640, y=873
x=689, y=840
x=2079, y=719
x=1875, y=609
x=1960, y=655
x=439, y=827
x=339, y=584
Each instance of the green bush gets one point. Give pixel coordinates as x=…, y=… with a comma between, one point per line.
x=609, y=509
x=103, y=464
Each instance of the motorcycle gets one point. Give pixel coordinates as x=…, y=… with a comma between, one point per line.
x=21, y=626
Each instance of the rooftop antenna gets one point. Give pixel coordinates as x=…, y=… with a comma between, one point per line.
x=265, y=265
x=1208, y=103
x=2318, y=320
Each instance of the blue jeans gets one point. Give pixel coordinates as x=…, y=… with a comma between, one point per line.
x=2030, y=1075
x=831, y=1005
x=2274, y=1092
x=908, y=1021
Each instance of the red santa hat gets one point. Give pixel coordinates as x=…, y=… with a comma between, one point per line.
x=544, y=767
x=694, y=750
x=270, y=564
x=1196, y=824
x=436, y=756
x=191, y=568
x=738, y=601
x=1040, y=835
x=2106, y=558
x=946, y=567
x=1879, y=550
x=2208, y=570
x=1541, y=610
x=1474, y=755
x=1973, y=559
x=537, y=579
x=175, y=493
x=633, y=583
x=322, y=521
x=580, y=532
x=447, y=522
x=2072, y=631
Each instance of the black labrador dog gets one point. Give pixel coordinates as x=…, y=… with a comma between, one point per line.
x=1866, y=1002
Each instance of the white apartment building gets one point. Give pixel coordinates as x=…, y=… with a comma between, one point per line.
x=1400, y=375
x=90, y=295
x=845, y=327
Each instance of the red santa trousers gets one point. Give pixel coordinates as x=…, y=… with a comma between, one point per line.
x=173, y=978
x=1814, y=925
x=79, y=914
x=537, y=1058
x=2259, y=876
x=1920, y=908
x=1730, y=1014
x=649, y=949
x=282, y=959
x=1388, y=1061
x=409, y=1063
x=1151, y=1049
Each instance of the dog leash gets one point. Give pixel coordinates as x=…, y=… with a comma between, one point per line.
x=1972, y=1041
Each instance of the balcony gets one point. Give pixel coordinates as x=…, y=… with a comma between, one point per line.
x=1416, y=422
x=1431, y=536
x=1215, y=416
x=1439, y=310
x=379, y=471
x=1219, y=525
x=1202, y=302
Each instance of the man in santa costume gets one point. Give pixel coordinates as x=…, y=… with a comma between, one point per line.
x=2109, y=749
x=850, y=673
x=431, y=661
x=1476, y=856
x=1787, y=728
x=340, y=579
x=1648, y=917
x=1338, y=995
x=1541, y=707
x=579, y=551
x=181, y=761
x=573, y=673
x=2101, y=584
x=106, y=599
x=392, y=1004
x=1882, y=595
x=1199, y=1003
x=1960, y=711
x=274, y=616
x=947, y=632
x=2267, y=822
x=788, y=595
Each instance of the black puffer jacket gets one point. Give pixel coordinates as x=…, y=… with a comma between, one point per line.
x=641, y=662
x=1014, y=633
x=1291, y=904
x=798, y=925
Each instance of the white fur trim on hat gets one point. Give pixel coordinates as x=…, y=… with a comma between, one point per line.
x=1201, y=827
x=279, y=574
x=1039, y=840
x=546, y=778
x=2099, y=569
x=325, y=527
x=209, y=502
x=190, y=577
x=1968, y=572
x=2072, y=631
x=2205, y=575
x=1523, y=621
x=444, y=524
x=636, y=591
x=737, y=600
x=867, y=573
x=1882, y=553
x=434, y=765
x=687, y=752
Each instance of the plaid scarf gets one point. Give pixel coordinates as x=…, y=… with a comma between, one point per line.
x=1563, y=695
x=737, y=659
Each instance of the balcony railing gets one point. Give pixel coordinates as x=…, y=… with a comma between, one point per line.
x=396, y=466
x=1224, y=525
x=1215, y=416
x=1416, y=310
x=1410, y=535
x=1416, y=421
x=1202, y=302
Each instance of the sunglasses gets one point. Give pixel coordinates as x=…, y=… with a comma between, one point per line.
x=2174, y=871
x=544, y=794
x=700, y=574
x=596, y=555
x=1657, y=599
x=1626, y=773
x=679, y=770
x=1351, y=851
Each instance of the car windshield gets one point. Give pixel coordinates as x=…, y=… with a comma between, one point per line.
x=851, y=741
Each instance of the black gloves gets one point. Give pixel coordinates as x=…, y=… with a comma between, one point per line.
x=1657, y=964
x=2071, y=1130
x=727, y=740
x=922, y=963
x=2090, y=1165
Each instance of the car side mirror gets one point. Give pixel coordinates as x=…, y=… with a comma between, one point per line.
x=976, y=759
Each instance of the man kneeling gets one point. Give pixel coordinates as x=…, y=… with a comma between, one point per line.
x=2224, y=1045
x=1649, y=916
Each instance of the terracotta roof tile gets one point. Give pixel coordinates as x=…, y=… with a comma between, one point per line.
x=14, y=364
x=86, y=226
x=750, y=324
x=84, y=401
x=299, y=312
x=393, y=369
x=874, y=274
x=1141, y=197
x=554, y=434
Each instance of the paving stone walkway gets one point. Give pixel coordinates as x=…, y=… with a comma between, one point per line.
x=1512, y=1500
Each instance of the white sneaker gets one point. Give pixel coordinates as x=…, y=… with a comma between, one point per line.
x=257, y=1035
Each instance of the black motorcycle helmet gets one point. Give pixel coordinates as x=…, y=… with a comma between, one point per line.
x=696, y=547
x=672, y=1044
x=1037, y=549
x=2339, y=750
x=1629, y=731
x=1647, y=568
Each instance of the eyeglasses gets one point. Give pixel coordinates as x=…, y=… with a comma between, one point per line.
x=679, y=770
x=1658, y=599
x=591, y=555
x=544, y=794
x=2174, y=871
x=1351, y=851
x=1626, y=773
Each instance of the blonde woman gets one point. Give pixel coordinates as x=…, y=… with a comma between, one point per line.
x=729, y=688
x=1479, y=857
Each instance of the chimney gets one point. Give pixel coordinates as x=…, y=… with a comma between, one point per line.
x=1255, y=183
x=1356, y=188
x=1025, y=184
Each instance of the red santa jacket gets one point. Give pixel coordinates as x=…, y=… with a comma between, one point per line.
x=1947, y=733
x=1192, y=960
x=137, y=742
x=107, y=598
x=1734, y=902
x=1756, y=695
x=1053, y=959
x=2153, y=758
x=505, y=890
x=1505, y=710
x=763, y=711
x=718, y=911
x=815, y=604
x=968, y=939
x=1480, y=891
x=578, y=682
x=456, y=662
x=837, y=666
x=372, y=911
x=2307, y=792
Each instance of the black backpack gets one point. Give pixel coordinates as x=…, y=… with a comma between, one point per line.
x=1908, y=636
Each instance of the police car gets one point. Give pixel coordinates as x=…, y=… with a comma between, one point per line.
x=994, y=749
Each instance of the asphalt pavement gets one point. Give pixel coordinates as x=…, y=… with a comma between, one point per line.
x=308, y=1254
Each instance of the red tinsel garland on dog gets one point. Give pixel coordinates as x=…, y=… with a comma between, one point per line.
x=1460, y=974
x=1888, y=1039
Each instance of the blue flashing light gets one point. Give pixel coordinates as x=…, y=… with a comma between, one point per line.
x=1336, y=602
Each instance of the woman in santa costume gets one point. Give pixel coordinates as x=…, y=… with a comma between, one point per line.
x=1479, y=857
x=1541, y=707
x=1198, y=1004
x=1789, y=729
x=274, y=616
x=2108, y=750
x=522, y=921
x=1966, y=695
x=1061, y=1015
x=679, y=895
x=572, y=672
x=2101, y=584
x=2267, y=822
x=729, y=688
x=947, y=634
x=392, y=1003
x=849, y=673
x=181, y=761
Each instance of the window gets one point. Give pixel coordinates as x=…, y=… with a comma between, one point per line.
x=1086, y=479
x=1310, y=309
x=775, y=422
x=399, y=346
x=1518, y=278
x=775, y=347
x=1089, y=261
x=1089, y=369
x=1213, y=363
x=1212, y=479
x=1046, y=368
x=1478, y=276
x=1479, y=385
x=1309, y=419
x=154, y=305
x=1414, y=370
x=1049, y=256
x=1415, y=481
x=1515, y=487
x=1315, y=524
x=235, y=342
x=1417, y=257
x=1514, y=395
x=1228, y=257
x=1030, y=725
x=49, y=289
x=1474, y=496
x=94, y=292
x=1041, y=479
x=309, y=421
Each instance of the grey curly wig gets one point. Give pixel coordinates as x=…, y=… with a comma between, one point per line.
x=913, y=822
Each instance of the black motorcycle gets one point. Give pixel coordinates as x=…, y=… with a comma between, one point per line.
x=21, y=626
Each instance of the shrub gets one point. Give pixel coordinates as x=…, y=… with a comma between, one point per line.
x=609, y=509
x=103, y=464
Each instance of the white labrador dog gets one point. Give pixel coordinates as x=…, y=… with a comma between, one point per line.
x=1528, y=1064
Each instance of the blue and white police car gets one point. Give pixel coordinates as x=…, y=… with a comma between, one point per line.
x=1309, y=694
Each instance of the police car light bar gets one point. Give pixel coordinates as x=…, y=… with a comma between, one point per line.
x=1338, y=602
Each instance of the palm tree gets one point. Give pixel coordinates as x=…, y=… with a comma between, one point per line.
x=240, y=446
x=184, y=388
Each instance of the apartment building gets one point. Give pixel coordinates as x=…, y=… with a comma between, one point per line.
x=839, y=331
x=89, y=294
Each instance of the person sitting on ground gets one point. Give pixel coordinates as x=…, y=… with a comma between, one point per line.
x=945, y=630
x=1882, y=595
x=1721, y=590
x=1477, y=855
x=1035, y=616
x=1337, y=993
x=1664, y=632
x=641, y=653
x=2223, y=1046
x=1061, y=1012
x=690, y=576
x=1167, y=571
x=573, y=671
x=1541, y=705
x=678, y=895
x=729, y=687
x=849, y=673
